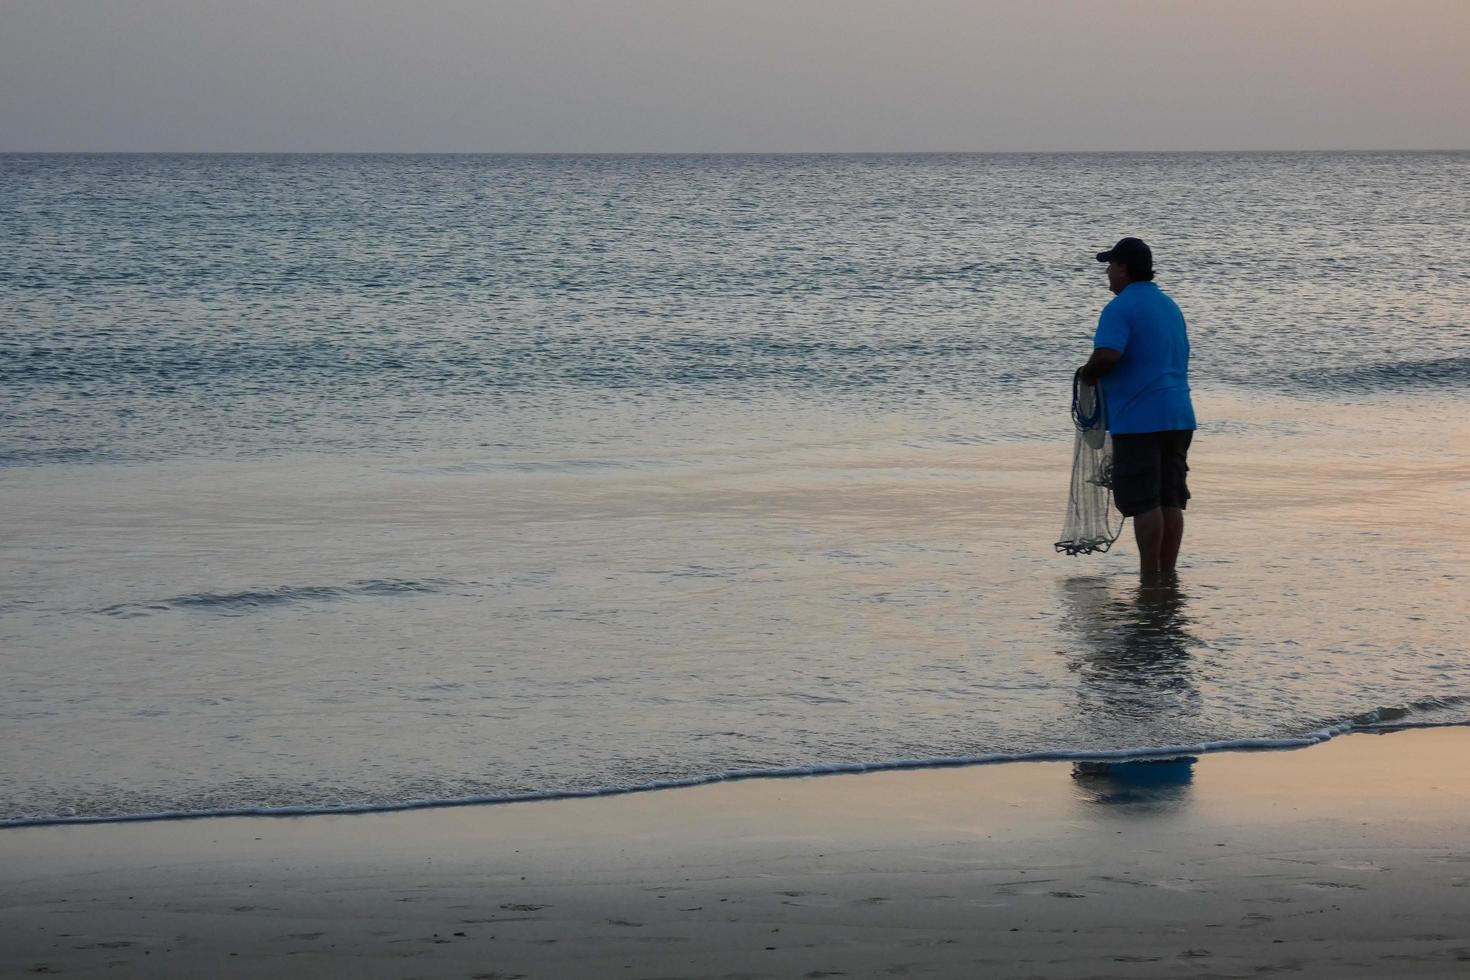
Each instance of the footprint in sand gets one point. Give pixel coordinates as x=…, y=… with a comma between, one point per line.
x=1180, y=885
x=1358, y=866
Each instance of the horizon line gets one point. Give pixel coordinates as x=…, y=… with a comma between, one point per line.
x=630, y=153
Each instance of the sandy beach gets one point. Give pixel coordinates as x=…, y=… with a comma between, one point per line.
x=1347, y=859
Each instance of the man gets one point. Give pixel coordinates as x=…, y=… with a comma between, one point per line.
x=1141, y=353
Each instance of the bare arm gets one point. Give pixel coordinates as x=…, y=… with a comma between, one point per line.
x=1103, y=360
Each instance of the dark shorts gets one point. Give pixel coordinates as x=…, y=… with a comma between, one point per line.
x=1150, y=469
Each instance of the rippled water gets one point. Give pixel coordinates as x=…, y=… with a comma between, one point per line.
x=359, y=480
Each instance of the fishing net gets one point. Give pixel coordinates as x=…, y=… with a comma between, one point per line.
x=1089, y=523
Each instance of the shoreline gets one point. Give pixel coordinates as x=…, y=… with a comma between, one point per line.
x=1348, y=858
x=1145, y=754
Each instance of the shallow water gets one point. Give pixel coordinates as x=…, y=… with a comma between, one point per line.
x=368, y=480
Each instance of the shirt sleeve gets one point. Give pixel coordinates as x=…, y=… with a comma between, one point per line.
x=1112, y=329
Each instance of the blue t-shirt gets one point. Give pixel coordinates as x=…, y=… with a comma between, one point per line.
x=1148, y=390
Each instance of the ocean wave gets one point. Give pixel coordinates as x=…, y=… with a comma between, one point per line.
x=51, y=455
x=1419, y=714
x=1434, y=372
x=353, y=366
x=1415, y=714
x=476, y=467
x=254, y=600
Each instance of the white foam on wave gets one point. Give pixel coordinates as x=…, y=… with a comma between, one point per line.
x=1369, y=723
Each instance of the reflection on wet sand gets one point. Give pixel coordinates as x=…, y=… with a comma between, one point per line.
x=1134, y=663
x=1158, y=783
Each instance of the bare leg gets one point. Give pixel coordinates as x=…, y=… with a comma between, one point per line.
x=1148, y=531
x=1173, y=535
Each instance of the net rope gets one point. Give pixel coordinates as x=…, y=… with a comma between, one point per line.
x=1088, y=526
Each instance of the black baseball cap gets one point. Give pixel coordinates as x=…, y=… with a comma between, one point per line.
x=1131, y=252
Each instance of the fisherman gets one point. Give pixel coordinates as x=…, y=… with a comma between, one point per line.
x=1141, y=353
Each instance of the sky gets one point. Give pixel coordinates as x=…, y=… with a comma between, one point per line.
x=732, y=75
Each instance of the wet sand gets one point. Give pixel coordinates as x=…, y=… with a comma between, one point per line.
x=1348, y=859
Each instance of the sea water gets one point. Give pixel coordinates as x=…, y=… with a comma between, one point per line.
x=360, y=481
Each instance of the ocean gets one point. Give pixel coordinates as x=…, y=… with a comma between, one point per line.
x=367, y=481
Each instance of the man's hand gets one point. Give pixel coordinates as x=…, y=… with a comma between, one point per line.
x=1103, y=360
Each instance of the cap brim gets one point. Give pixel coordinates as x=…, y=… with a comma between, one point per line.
x=1105, y=256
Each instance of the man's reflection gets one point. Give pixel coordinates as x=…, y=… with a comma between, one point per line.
x=1136, y=683
x=1157, y=782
